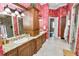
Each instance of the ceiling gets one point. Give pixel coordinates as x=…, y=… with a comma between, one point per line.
x=51, y=5
x=56, y=5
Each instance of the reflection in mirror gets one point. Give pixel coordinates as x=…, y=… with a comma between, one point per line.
x=20, y=21
x=6, y=27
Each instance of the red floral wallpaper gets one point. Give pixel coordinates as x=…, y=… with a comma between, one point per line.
x=53, y=13
x=43, y=16
x=15, y=25
x=60, y=12
x=1, y=7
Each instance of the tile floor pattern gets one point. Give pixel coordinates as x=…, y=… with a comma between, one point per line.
x=53, y=47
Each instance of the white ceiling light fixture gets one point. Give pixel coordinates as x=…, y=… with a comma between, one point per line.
x=22, y=14
x=16, y=12
x=4, y=12
x=7, y=9
x=18, y=15
x=13, y=14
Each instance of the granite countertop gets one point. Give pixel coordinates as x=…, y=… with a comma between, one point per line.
x=17, y=43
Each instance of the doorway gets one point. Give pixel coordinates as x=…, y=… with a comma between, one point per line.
x=53, y=27
x=63, y=24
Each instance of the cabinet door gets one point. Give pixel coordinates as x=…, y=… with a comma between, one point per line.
x=36, y=21
x=33, y=48
x=63, y=24
x=12, y=53
x=38, y=43
x=44, y=39
x=24, y=50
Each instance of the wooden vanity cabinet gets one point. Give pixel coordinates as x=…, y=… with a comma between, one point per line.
x=29, y=48
x=43, y=38
x=24, y=50
x=35, y=19
x=38, y=43
x=12, y=52
x=33, y=47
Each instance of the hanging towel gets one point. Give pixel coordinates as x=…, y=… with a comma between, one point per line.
x=3, y=31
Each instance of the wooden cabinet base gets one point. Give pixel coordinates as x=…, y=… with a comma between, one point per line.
x=38, y=43
x=33, y=47
x=28, y=48
x=24, y=49
x=12, y=53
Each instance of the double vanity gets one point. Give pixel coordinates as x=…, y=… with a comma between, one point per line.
x=14, y=42
x=25, y=46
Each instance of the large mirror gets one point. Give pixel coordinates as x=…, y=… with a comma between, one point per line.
x=6, y=27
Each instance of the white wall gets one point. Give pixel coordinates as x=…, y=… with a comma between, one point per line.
x=72, y=27
x=56, y=27
x=72, y=24
x=67, y=26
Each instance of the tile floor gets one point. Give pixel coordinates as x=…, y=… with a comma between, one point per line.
x=53, y=47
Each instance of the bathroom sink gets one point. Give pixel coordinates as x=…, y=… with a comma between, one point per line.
x=18, y=41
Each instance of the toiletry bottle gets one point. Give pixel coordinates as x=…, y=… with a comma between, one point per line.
x=1, y=50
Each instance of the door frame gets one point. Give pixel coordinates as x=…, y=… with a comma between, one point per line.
x=73, y=11
x=55, y=19
x=61, y=25
x=76, y=33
